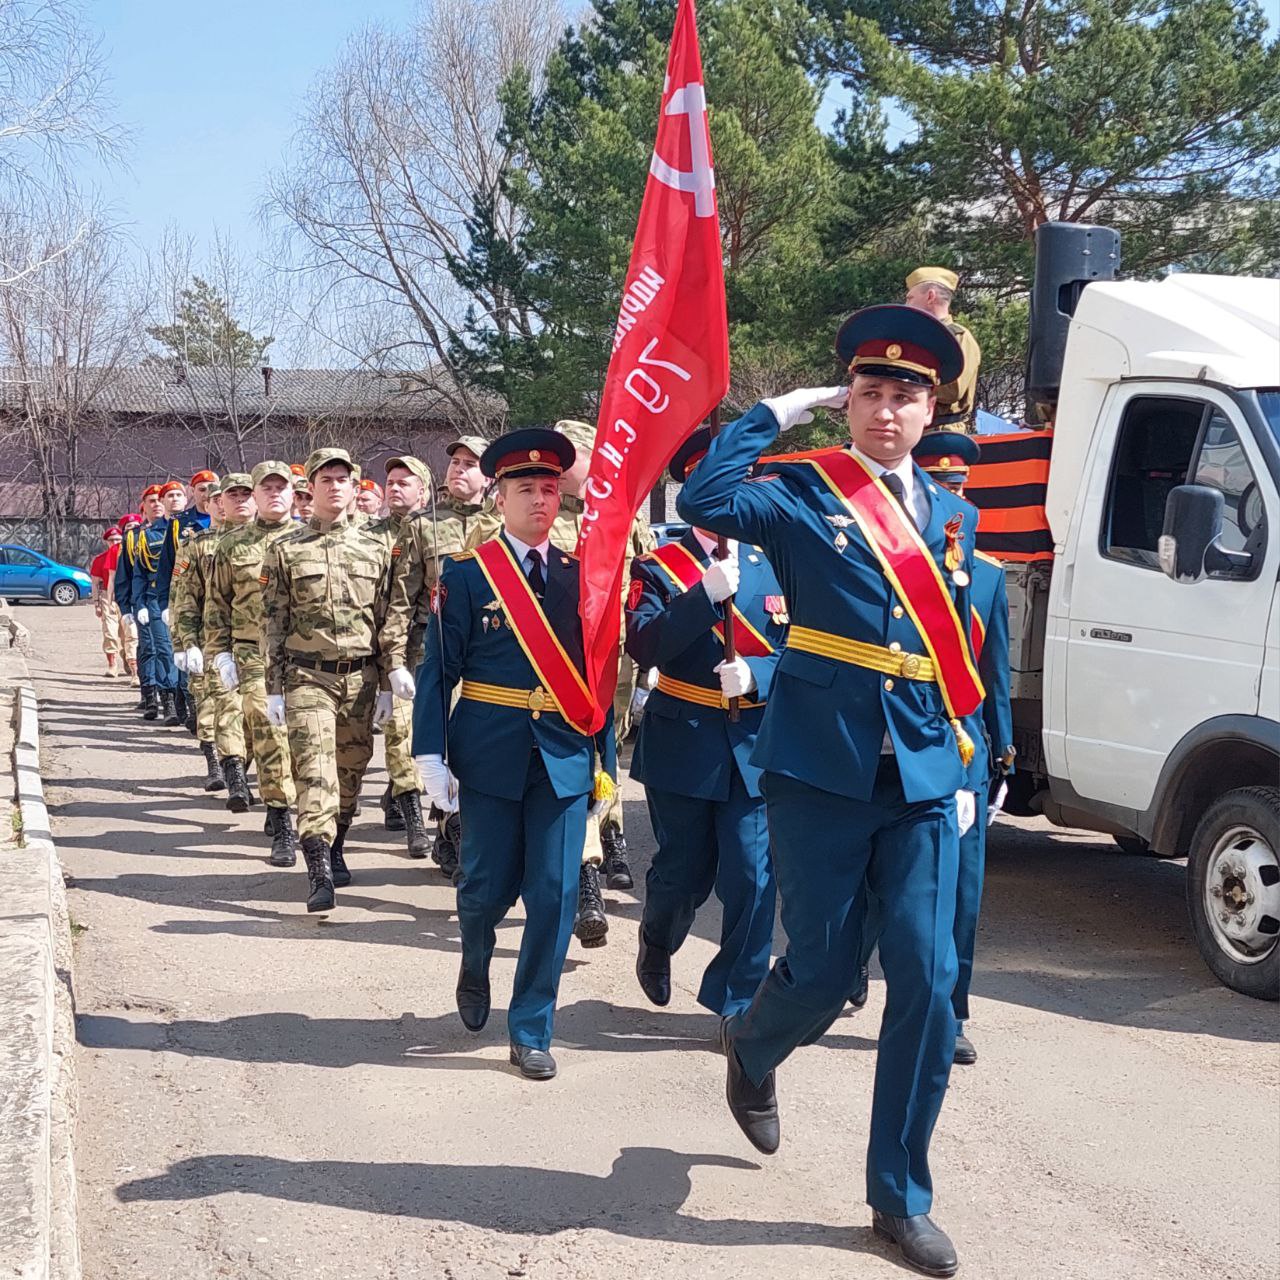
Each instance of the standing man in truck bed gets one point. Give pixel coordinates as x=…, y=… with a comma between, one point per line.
x=932, y=289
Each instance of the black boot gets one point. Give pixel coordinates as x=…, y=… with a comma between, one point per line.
x=616, y=869
x=144, y=697
x=189, y=711
x=590, y=925
x=411, y=813
x=284, y=839
x=238, y=797
x=315, y=851
x=392, y=815
x=151, y=711
x=338, y=862
x=444, y=853
x=214, y=781
x=169, y=706
x=858, y=997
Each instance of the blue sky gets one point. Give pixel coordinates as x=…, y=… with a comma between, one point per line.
x=211, y=93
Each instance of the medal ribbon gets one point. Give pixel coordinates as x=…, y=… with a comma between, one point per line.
x=555, y=669
x=685, y=570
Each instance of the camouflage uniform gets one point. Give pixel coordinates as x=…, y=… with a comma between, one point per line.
x=186, y=616
x=233, y=624
x=324, y=602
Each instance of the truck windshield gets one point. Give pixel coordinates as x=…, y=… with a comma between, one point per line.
x=1269, y=401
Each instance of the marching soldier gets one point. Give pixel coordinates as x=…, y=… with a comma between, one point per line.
x=946, y=456
x=233, y=634
x=187, y=598
x=127, y=567
x=144, y=587
x=119, y=591
x=442, y=529
x=931, y=289
x=408, y=482
x=104, y=606
x=325, y=595
x=516, y=755
x=862, y=744
x=702, y=790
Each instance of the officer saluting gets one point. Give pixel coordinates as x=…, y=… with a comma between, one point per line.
x=519, y=757
x=862, y=745
x=702, y=790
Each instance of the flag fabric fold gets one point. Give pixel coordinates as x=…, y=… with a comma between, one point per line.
x=670, y=361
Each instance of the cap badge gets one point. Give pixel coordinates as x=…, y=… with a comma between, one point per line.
x=534, y=455
x=893, y=351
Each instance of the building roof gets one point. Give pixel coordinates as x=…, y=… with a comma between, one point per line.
x=165, y=389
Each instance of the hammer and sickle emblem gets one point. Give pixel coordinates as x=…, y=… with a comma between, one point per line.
x=690, y=101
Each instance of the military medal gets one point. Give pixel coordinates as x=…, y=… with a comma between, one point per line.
x=841, y=542
x=954, y=556
x=960, y=578
x=776, y=608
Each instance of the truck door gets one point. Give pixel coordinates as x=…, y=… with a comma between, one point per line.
x=1148, y=659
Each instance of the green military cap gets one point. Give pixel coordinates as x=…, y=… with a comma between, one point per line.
x=410, y=463
x=322, y=457
x=265, y=469
x=477, y=445
x=215, y=488
x=583, y=434
x=236, y=480
x=301, y=484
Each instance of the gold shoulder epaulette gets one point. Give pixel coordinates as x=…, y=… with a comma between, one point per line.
x=459, y=556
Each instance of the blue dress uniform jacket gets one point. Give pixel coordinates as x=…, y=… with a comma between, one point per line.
x=846, y=816
x=524, y=783
x=702, y=790
x=124, y=571
x=155, y=653
x=826, y=721
x=682, y=747
x=182, y=528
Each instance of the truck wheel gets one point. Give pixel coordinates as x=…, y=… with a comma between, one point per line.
x=1233, y=890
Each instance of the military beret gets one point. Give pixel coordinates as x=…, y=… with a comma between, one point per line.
x=109, y=533
x=298, y=469
x=131, y=517
x=204, y=477
x=322, y=458
x=172, y=486
x=151, y=491
x=370, y=486
x=411, y=464
x=271, y=468
x=236, y=480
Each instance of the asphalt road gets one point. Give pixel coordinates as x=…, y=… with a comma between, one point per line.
x=265, y=1095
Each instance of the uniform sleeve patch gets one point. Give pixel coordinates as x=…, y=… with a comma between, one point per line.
x=395, y=551
x=635, y=593
x=264, y=578
x=439, y=594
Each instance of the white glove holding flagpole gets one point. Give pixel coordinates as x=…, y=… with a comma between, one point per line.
x=736, y=678
x=721, y=578
x=794, y=408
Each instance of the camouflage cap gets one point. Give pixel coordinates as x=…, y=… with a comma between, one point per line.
x=410, y=463
x=215, y=489
x=477, y=445
x=265, y=469
x=322, y=458
x=301, y=484
x=583, y=434
x=236, y=480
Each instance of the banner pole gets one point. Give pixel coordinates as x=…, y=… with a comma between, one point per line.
x=722, y=553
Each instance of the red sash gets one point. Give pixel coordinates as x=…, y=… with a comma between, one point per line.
x=977, y=634
x=913, y=573
x=685, y=570
x=555, y=669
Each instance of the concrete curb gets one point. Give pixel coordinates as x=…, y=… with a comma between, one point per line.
x=38, y=1239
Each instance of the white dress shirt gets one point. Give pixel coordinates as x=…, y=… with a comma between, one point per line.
x=524, y=551
x=917, y=499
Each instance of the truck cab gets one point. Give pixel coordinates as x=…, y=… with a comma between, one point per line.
x=1147, y=686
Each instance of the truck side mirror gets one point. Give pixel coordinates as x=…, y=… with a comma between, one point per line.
x=1189, y=546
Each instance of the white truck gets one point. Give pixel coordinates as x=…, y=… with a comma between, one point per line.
x=1146, y=653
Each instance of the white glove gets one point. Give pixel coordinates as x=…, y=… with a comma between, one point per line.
x=596, y=808
x=736, y=678
x=440, y=785
x=225, y=665
x=143, y=616
x=638, y=699
x=998, y=803
x=195, y=662
x=275, y=710
x=383, y=707
x=180, y=659
x=794, y=408
x=721, y=579
x=966, y=810
x=164, y=616
x=402, y=683
x=127, y=619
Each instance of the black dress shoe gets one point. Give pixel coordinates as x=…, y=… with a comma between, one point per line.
x=653, y=968
x=966, y=1054
x=754, y=1106
x=859, y=995
x=922, y=1245
x=473, y=1000
x=534, y=1064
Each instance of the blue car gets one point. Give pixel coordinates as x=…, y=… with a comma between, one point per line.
x=24, y=572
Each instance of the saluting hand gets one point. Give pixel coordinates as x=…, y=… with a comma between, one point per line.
x=794, y=408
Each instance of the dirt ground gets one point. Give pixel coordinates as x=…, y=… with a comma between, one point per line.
x=266, y=1095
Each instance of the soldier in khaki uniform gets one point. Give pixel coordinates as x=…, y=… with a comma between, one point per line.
x=233, y=633
x=325, y=601
x=426, y=538
x=187, y=593
x=408, y=483
x=932, y=289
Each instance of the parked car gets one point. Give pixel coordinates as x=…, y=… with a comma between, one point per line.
x=669, y=531
x=24, y=572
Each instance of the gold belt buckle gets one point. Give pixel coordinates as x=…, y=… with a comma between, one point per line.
x=911, y=665
x=536, y=702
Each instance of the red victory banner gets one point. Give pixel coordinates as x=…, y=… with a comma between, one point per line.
x=670, y=362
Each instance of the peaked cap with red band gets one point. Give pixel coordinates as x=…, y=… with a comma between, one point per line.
x=947, y=455
x=689, y=454
x=902, y=343
x=529, y=451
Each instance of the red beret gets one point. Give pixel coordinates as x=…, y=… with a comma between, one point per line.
x=131, y=517
x=298, y=469
x=151, y=491
x=203, y=477
x=108, y=534
x=371, y=486
x=170, y=485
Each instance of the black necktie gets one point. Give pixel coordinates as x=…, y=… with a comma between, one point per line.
x=537, y=578
x=893, y=483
